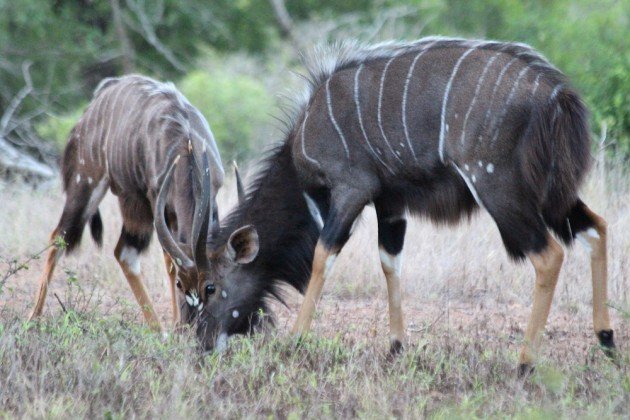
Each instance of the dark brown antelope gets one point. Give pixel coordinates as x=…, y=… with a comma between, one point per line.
x=438, y=128
x=133, y=132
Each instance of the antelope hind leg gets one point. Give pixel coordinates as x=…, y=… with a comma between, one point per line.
x=547, y=264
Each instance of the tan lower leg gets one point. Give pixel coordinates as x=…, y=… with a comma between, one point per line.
x=44, y=280
x=170, y=269
x=133, y=276
x=547, y=265
x=322, y=262
x=391, y=266
x=596, y=238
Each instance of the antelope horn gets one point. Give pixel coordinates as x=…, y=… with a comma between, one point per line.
x=239, y=184
x=163, y=232
x=201, y=219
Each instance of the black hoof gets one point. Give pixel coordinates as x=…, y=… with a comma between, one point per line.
x=395, y=348
x=525, y=370
x=607, y=341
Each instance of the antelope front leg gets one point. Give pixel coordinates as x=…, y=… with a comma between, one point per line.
x=391, y=265
x=547, y=264
x=128, y=259
x=322, y=263
x=51, y=261
x=596, y=239
x=170, y=269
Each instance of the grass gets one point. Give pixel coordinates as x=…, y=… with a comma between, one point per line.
x=84, y=365
x=466, y=307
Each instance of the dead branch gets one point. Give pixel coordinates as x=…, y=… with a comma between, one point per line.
x=148, y=33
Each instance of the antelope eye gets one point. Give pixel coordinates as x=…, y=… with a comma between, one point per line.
x=210, y=289
x=178, y=284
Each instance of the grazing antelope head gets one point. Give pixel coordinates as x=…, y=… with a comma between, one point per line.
x=437, y=127
x=143, y=140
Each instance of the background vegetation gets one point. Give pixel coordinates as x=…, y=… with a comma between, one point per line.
x=232, y=58
x=465, y=304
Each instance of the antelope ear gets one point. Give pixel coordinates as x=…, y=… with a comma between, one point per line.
x=242, y=247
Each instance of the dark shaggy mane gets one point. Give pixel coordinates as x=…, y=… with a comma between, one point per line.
x=276, y=207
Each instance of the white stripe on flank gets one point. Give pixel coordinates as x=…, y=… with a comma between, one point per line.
x=378, y=115
x=445, y=101
x=470, y=185
x=536, y=83
x=358, y=106
x=555, y=91
x=404, y=99
x=494, y=91
x=109, y=125
x=310, y=159
x=477, y=89
x=497, y=126
x=333, y=120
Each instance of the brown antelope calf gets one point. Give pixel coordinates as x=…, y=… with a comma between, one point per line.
x=132, y=132
x=437, y=128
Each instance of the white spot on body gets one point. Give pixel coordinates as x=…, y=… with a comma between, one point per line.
x=130, y=256
x=90, y=180
x=82, y=161
x=97, y=196
x=223, y=294
x=474, y=178
x=467, y=167
x=78, y=178
x=443, y=125
x=235, y=313
x=480, y=163
x=490, y=168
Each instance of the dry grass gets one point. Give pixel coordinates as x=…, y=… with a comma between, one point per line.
x=466, y=307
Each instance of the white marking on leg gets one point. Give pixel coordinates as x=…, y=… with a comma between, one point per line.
x=130, y=256
x=310, y=159
x=333, y=120
x=392, y=262
x=404, y=99
x=330, y=261
x=222, y=343
x=593, y=233
x=314, y=210
x=497, y=126
x=494, y=90
x=584, y=242
x=490, y=168
x=358, y=106
x=470, y=185
x=378, y=114
x=445, y=101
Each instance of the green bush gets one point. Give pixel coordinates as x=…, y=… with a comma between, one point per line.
x=56, y=128
x=236, y=106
